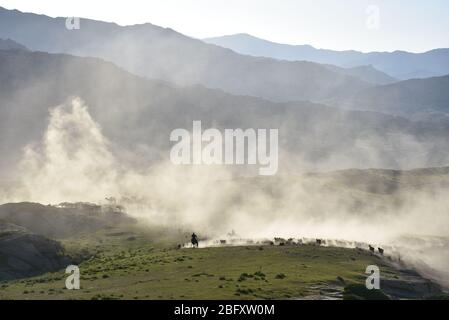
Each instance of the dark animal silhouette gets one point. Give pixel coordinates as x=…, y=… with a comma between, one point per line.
x=194, y=240
x=319, y=241
x=222, y=241
x=381, y=251
x=277, y=240
x=371, y=248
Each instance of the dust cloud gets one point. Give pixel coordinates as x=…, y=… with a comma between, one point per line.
x=75, y=162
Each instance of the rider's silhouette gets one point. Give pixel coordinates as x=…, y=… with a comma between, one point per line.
x=194, y=240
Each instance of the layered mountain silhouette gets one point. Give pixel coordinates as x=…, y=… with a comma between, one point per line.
x=155, y=52
x=138, y=114
x=398, y=64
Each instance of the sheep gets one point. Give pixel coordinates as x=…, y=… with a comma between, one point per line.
x=381, y=251
x=278, y=240
x=371, y=248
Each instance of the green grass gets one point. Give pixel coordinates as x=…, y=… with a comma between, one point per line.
x=360, y=292
x=119, y=268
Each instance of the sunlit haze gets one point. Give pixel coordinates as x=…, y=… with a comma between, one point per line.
x=410, y=25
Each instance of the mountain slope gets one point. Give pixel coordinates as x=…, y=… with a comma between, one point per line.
x=24, y=254
x=154, y=52
x=419, y=99
x=60, y=222
x=399, y=64
x=138, y=114
x=366, y=73
x=8, y=44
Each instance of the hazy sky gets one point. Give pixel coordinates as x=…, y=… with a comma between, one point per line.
x=413, y=25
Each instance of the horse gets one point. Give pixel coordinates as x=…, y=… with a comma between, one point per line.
x=194, y=240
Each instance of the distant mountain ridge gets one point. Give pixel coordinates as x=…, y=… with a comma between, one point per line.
x=366, y=73
x=8, y=44
x=398, y=64
x=159, y=53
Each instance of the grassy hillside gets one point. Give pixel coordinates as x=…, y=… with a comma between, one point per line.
x=61, y=222
x=119, y=259
x=129, y=265
x=24, y=254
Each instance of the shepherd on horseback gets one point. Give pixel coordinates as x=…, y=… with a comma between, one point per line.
x=194, y=240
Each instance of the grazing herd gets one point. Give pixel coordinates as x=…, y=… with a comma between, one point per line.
x=290, y=242
x=282, y=242
x=373, y=250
